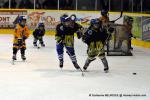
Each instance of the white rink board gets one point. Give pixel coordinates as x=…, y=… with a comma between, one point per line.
x=52, y=18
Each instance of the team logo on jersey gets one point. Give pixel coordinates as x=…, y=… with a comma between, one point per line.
x=90, y=32
x=61, y=28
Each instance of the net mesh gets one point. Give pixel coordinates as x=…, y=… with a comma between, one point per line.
x=119, y=44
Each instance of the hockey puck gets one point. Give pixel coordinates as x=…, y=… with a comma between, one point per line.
x=134, y=73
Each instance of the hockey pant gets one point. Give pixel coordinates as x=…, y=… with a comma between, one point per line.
x=40, y=40
x=70, y=52
x=93, y=53
x=17, y=46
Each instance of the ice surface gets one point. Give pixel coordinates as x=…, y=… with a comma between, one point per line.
x=39, y=78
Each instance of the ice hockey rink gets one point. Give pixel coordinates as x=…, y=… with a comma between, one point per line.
x=40, y=78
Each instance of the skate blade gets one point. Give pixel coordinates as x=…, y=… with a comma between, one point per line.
x=23, y=60
x=13, y=62
x=39, y=46
x=107, y=71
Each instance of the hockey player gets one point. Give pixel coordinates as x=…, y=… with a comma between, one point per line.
x=104, y=18
x=76, y=28
x=38, y=34
x=95, y=38
x=65, y=38
x=20, y=35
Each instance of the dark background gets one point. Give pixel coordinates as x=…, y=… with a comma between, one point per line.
x=111, y=5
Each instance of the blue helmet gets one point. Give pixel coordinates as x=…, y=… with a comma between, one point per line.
x=64, y=18
x=73, y=17
x=104, y=12
x=95, y=21
x=41, y=25
x=21, y=18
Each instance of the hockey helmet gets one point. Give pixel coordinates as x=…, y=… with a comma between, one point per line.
x=41, y=25
x=104, y=12
x=95, y=23
x=21, y=18
x=65, y=19
x=73, y=17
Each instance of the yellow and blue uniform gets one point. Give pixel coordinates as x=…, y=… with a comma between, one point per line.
x=95, y=37
x=65, y=38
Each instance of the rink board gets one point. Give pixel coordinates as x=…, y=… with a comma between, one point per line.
x=51, y=19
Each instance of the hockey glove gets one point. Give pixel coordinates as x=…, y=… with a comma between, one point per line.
x=110, y=29
x=20, y=42
x=79, y=34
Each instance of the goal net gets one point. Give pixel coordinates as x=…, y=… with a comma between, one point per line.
x=119, y=44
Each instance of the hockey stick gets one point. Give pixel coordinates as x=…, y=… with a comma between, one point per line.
x=38, y=46
x=69, y=55
x=113, y=21
x=79, y=67
x=104, y=45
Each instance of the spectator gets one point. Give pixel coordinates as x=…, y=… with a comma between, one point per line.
x=137, y=5
x=6, y=4
x=13, y=4
x=50, y=4
x=62, y=4
x=146, y=6
x=38, y=4
x=88, y=5
x=106, y=4
x=66, y=4
x=130, y=5
x=26, y=4
x=116, y=6
x=1, y=4
x=126, y=5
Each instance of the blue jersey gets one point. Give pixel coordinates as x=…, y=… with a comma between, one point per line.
x=92, y=35
x=37, y=32
x=64, y=34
